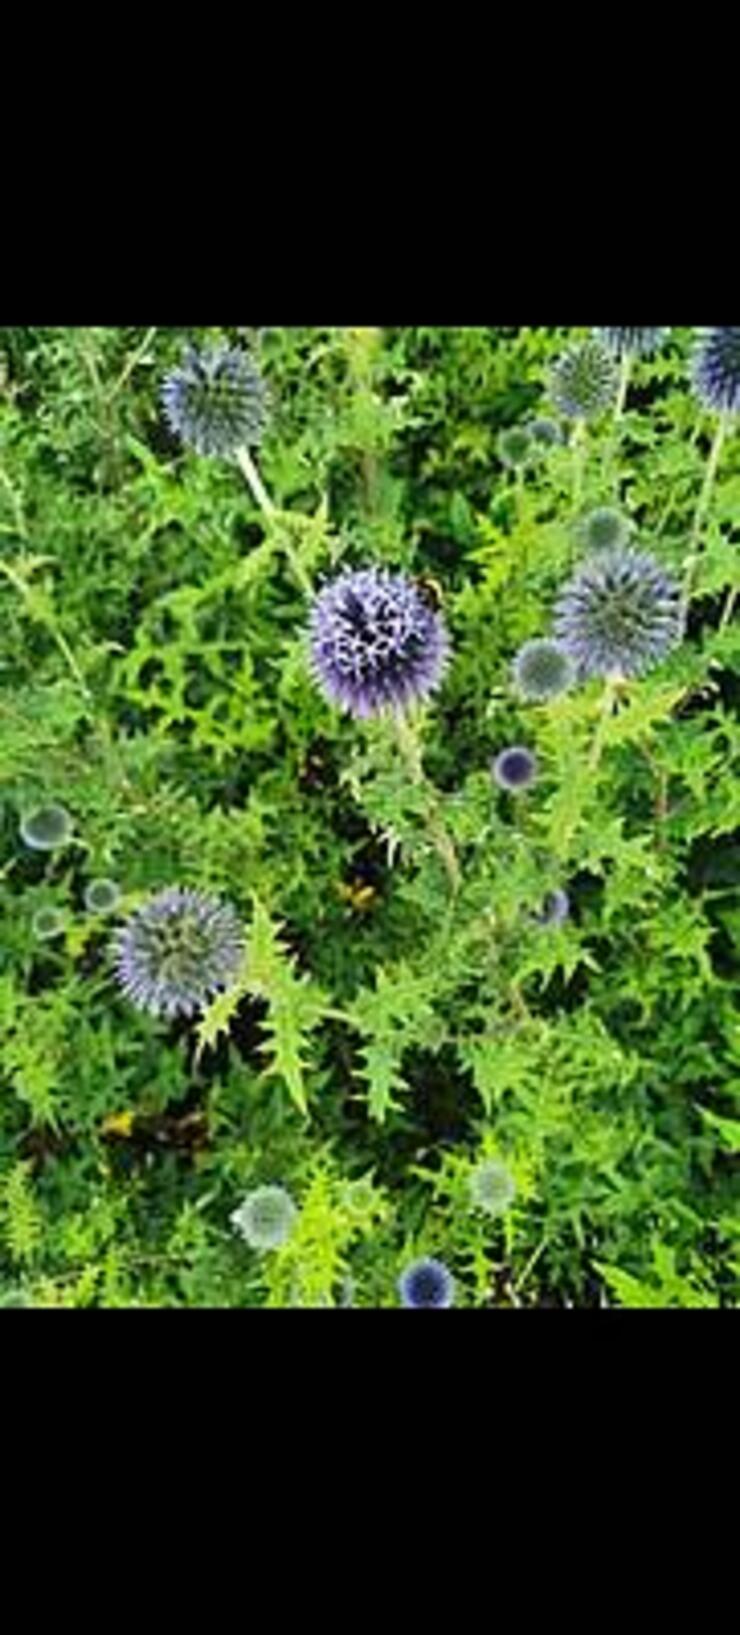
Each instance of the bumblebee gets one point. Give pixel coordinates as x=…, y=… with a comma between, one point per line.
x=430, y=591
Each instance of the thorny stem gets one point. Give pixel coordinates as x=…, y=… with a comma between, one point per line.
x=129, y=367
x=625, y=372
x=609, y=697
x=701, y=511
x=578, y=449
x=729, y=608
x=19, y=583
x=271, y=513
x=408, y=743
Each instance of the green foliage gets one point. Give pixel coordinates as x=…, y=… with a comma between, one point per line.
x=402, y=1014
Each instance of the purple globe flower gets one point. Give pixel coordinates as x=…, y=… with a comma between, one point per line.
x=376, y=642
x=216, y=401
x=619, y=614
x=555, y=908
x=515, y=768
x=427, y=1283
x=640, y=343
x=584, y=380
x=716, y=369
x=177, y=951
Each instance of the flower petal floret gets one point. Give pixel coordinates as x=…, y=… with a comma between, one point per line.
x=716, y=369
x=376, y=643
x=619, y=614
x=216, y=401
x=584, y=380
x=177, y=951
x=427, y=1282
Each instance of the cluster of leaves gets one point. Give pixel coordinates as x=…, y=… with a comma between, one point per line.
x=387, y=1032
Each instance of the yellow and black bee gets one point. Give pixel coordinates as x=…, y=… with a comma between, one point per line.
x=430, y=591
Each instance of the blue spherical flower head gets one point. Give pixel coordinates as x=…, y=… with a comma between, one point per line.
x=546, y=434
x=605, y=529
x=584, y=380
x=216, y=401
x=637, y=343
x=619, y=614
x=427, y=1283
x=716, y=369
x=492, y=1188
x=376, y=642
x=514, y=446
x=177, y=951
x=515, y=768
x=102, y=896
x=266, y=1217
x=555, y=909
x=47, y=828
x=47, y=922
x=542, y=669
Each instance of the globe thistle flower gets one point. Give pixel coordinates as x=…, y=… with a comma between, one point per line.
x=266, y=1217
x=101, y=896
x=605, y=529
x=377, y=643
x=177, y=951
x=515, y=768
x=216, y=401
x=584, y=380
x=47, y=922
x=491, y=1187
x=716, y=369
x=545, y=433
x=542, y=669
x=46, y=828
x=427, y=1283
x=555, y=909
x=619, y=614
x=514, y=446
x=637, y=343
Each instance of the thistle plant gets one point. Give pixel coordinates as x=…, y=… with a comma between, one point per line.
x=542, y=670
x=102, y=896
x=376, y=644
x=515, y=768
x=427, y=1282
x=177, y=951
x=492, y=1188
x=47, y=828
x=514, y=446
x=545, y=434
x=266, y=1217
x=584, y=382
x=618, y=615
x=47, y=923
x=605, y=529
x=715, y=375
x=629, y=344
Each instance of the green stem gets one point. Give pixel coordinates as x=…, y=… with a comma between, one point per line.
x=49, y=624
x=606, y=710
x=408, y=743
x=701, y=511
x=135, y=358
x=270, y=512
x=729, y=608
x=578, y=448
x=625, y=372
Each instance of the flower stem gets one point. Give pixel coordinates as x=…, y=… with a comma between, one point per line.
x=625, y=372
x=578, y=448
x=701, y=511
x=408, y=743
x=729, y=608
x=271, y=513
x=609, y=697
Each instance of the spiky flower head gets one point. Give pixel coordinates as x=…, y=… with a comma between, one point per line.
x=515, y=768
x=47, y=922
x=177, y=951
x=46, y=828
x=545, y=433
x=427, y=1282
x=584, y=380
x=376, y=642
x=542, y=669
x=639, y=343
x=619, y=614
x=102, y=896
x=605, y=529
x=266, y=1217
x=491, y=1187
x=716, y=369
x=555, y=908
x=216, y=401
x=514, y=446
